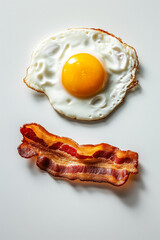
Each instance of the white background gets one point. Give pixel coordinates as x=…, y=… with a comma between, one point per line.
x=35, y=206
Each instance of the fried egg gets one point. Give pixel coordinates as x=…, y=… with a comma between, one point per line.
x=85, y=73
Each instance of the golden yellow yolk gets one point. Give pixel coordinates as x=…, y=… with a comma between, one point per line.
x=83, y=75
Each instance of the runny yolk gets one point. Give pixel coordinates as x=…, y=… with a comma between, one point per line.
x=83, y=75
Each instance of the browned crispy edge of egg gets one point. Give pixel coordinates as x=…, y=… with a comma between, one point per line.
x=132, y=85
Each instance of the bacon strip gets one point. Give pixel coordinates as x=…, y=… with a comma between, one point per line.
x=62, y=157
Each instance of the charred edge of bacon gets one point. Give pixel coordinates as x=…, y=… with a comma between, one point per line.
x=29, y=133
x=89, y=173
x=85, y=172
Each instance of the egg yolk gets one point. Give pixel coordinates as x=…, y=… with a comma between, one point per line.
x=83, y=75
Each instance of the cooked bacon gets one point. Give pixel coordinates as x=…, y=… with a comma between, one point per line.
x=62, y=157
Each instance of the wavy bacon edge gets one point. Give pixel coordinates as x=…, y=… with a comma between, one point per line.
x=63, y=157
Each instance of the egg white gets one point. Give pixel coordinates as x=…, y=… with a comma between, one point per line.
x=118, y=59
